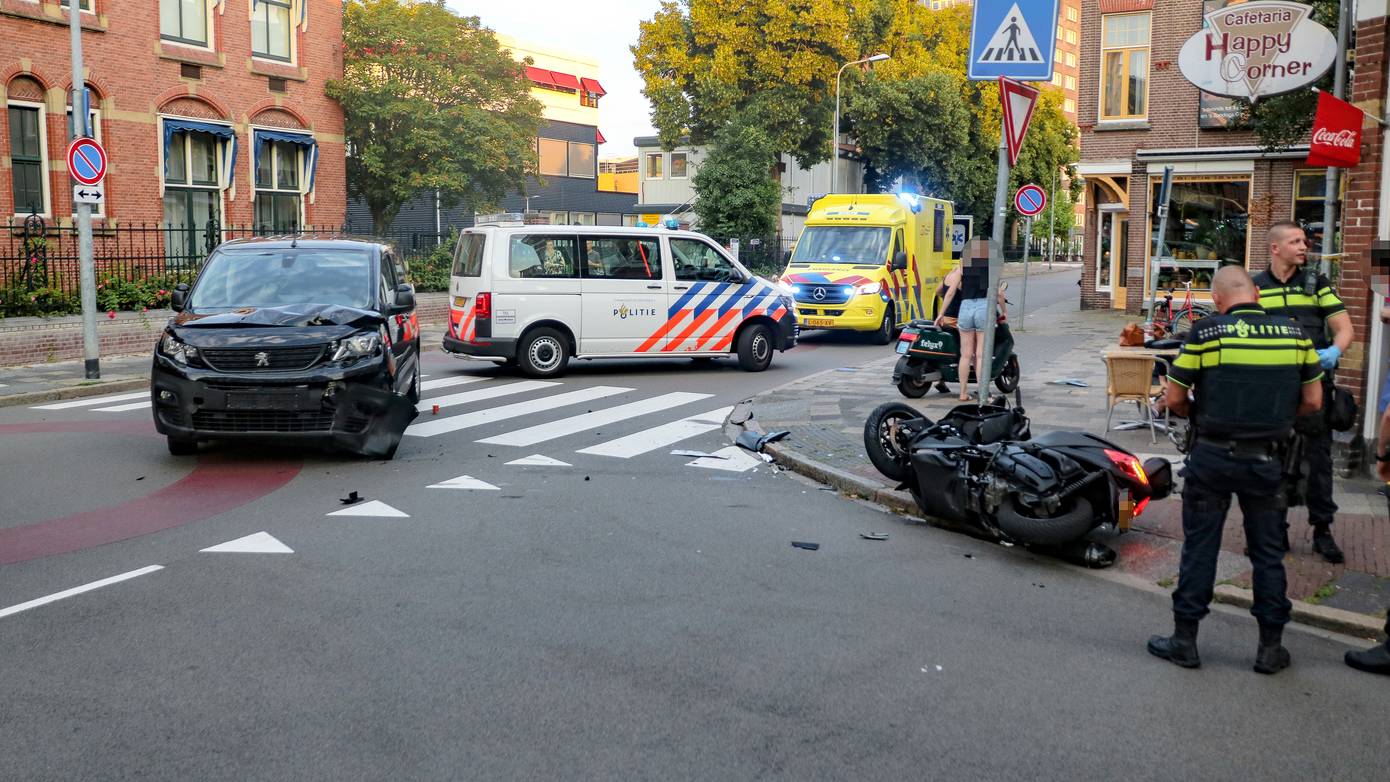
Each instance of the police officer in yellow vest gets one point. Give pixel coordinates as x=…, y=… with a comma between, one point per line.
x=1289, y=289
x=1250, y=375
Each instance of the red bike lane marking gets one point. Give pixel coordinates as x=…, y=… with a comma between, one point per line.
x=213, y=487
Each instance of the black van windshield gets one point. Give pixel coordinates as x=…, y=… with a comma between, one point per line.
x=254, y=277
x=842, y=244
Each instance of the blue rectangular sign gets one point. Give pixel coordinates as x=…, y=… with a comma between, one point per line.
x=1016, y=39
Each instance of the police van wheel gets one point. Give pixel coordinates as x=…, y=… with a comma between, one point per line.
x=543, y=353
x=884, y=335
x=179, y=446
x=755, y=348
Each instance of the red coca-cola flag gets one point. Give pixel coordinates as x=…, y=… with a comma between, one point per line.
x=1336, y=133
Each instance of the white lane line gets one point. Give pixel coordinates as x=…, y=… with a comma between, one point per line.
x=579, y=423
x=94, y=400
x=445, y=382
x=735, y=460
x=66, y=593
x=481, y=417
x=478, y=395
x=656, y=437
x=123, y=408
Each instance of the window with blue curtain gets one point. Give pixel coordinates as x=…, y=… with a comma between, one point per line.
x=285, y=165
x=199, y=158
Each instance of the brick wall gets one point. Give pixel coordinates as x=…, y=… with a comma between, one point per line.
x=1364, y=198
x=135, y=76
x=38, y=340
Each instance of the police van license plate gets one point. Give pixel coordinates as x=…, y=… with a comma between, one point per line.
x=819, y=323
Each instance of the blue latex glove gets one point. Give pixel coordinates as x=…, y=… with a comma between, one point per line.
x=1327, y=357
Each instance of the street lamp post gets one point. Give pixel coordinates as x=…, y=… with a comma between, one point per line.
x=835, y=129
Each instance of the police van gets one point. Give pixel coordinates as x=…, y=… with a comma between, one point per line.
x=534, y=296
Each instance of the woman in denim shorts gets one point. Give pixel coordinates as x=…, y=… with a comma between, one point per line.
x=971, y=289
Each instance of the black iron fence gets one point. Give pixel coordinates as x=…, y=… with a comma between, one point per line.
x=137, y=265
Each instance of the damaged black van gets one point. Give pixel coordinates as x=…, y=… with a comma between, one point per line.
x=306, y=340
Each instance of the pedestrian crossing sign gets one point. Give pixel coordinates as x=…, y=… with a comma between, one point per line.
x=1014, y=39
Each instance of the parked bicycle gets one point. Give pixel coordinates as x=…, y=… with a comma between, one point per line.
x=1179, y=322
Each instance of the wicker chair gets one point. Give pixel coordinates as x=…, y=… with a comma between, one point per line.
x=1130, y=379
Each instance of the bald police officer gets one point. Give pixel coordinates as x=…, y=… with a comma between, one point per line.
x=1289, y=289
x=1250, y=374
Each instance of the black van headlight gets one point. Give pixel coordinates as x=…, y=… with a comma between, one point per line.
x=356, y=346
x=183, y=354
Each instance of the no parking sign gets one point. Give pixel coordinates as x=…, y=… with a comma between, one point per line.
x=1030, y=200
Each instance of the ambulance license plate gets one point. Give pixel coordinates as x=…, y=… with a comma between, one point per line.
x=819, y=323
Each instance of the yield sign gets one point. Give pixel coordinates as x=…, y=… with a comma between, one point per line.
x=1019, y=101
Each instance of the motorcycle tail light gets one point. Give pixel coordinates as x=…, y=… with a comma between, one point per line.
x=1140, y=506
x=1129, y=465
x=484, y=310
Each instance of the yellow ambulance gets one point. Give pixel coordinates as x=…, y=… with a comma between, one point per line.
x=870, y=263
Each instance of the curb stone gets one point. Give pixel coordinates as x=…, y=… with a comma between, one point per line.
x=1322, y=617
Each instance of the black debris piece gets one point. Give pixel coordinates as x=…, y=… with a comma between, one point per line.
x=586, y=477
x=752, y=441
x=805, y=545
x=141, y=478
x=351, y=499
x=969, y=556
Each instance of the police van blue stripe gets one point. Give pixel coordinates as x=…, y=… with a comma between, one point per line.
x=686, y=297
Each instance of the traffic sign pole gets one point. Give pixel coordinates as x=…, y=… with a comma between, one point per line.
x=91, y=345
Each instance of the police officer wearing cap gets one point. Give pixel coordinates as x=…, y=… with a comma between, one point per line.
x=1289, y=289
x=1250, y=375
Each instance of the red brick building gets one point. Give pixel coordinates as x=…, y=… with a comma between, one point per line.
x=210, y=110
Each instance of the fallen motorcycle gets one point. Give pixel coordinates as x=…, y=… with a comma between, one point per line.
x=977, y=466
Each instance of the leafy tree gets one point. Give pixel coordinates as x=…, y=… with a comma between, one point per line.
x=1284, y=120
x=417, y=81
x=704, y=62
x=735, y=195
x=1048, y=149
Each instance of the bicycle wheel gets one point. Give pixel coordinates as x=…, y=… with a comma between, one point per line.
x=1182, y=322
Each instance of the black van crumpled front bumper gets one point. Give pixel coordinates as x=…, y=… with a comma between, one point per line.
x=348, y=407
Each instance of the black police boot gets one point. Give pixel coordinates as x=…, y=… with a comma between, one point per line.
x=1374, y=660
x=1272, y=657
x=1180, y=648
x=1326, y=546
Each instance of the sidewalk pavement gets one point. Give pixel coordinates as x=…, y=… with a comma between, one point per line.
x=826, y=412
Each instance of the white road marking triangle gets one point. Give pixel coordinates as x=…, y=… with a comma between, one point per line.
x=656, y=437
x=537, y=460
x=372, y=508
x=1013, y=41
x=465, y=482
x=735, y=460
x=94, y=400
x=581, y=423
x=259, y=543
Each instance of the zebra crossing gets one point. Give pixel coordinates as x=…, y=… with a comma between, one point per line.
x=476, y=407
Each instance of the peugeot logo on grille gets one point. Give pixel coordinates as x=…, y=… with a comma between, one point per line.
x=818, y=294
x=262, y=359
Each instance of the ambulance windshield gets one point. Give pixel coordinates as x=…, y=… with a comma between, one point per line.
x=842, y=244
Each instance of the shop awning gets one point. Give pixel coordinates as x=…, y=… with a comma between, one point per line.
x=565, y=80
x=540, y=76
x=225, y=132
x=598, y=136
x=592, y=85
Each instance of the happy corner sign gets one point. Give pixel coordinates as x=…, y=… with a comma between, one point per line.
x=1254, y=50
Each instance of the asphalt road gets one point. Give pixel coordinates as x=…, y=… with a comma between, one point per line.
x=628, y=615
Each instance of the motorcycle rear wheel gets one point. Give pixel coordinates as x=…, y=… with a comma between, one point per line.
x=886, y=441
x=1070, y=523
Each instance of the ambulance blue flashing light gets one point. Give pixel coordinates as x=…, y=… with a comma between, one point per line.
x=911, y=201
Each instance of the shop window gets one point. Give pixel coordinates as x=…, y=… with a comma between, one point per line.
x=184, y=21
x=1309, y=188
x=582, y=218
x=1124, y=68
x=1208, y=227
x=552, y=157
x=630, y=220
x=28, y=140
x=679, y=165
x=279, y=200
x=271, y=29
x=654, y=166
x=582, y=159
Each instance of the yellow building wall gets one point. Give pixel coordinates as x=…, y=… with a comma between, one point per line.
x=618, y=183
x=559, y=106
